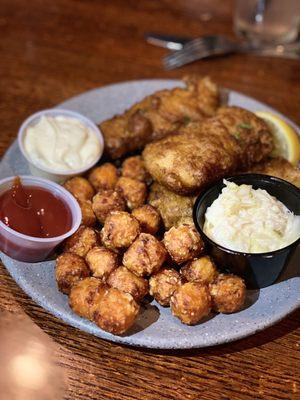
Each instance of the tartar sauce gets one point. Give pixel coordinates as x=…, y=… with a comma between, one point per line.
x=61, y=143
x=250, y=220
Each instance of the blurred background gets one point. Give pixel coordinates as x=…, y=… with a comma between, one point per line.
x=53, y=50
x=77, y=45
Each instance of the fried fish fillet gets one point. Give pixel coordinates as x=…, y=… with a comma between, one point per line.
x=159, y=114
x=176, y=209
x=173, y=208
x=280, y=168
x=203, y=152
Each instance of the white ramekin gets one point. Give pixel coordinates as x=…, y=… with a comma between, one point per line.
x=33, y=249
x=49, y=173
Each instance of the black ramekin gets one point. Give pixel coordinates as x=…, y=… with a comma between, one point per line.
x=258, y=269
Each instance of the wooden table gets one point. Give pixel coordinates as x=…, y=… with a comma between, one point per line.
x=52, y=50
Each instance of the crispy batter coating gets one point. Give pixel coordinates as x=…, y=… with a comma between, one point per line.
x=120, y=230
x=88, y=217
x=101, y=262
x=280, y=168
x=163, y=284
x=133, y=191
x=204, y=152
x=104, y=177
x=133, y=167
x=183, y=243
x=126, y=281
x=173, y=208
x=148, y=218
x=84, y=294
x=80, y=188
x=69, y=269
x=115, y=311
x=200, y=100
x=209, y=96
x=145, y=256
x=159, y=114
x=186, y=163
x=201, y=269
x=228, y=293
x=252, y=133
x=191, y=302
x=105, y=202
x=82, y=241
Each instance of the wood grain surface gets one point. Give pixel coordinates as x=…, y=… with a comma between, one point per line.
x=52, y=50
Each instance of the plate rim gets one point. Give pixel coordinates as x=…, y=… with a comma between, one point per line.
x=181, y=84
x=79, y=323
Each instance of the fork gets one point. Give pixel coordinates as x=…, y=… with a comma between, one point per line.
x=197, y=49
x=214, y=45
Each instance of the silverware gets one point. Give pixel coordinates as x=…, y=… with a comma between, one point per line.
x=213, y=45
x=197, y=49
x=170, y=42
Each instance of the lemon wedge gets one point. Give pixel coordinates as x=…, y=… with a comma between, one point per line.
x=286, y=138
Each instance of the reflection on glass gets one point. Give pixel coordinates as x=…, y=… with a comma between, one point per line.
x=267, y=21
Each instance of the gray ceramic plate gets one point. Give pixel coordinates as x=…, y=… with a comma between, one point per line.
x=155, y=328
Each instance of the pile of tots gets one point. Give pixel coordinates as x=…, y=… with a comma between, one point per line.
x=121, y=255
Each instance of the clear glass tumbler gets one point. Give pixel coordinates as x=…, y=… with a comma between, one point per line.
x=267, y=21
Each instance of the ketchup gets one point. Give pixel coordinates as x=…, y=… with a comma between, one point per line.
x=34, y=211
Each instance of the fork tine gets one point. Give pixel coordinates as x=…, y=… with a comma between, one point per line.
x=186, y=53
x=176, y=60
x=199, y=48
x=178, y=57
x=196, y=44
x=187, y=58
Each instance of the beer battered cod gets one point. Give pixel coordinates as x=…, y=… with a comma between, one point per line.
x=280, y=168
x=173, y=208
x=200, y=154
x=159, y=114
x=176, y=209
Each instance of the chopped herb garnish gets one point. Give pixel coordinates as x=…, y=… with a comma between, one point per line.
x=186, y=120
x=244, y=125
x=236, y=135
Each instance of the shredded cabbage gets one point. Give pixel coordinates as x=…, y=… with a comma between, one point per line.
x=250, y=220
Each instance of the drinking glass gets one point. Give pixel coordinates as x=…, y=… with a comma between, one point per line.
x=267, y=21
